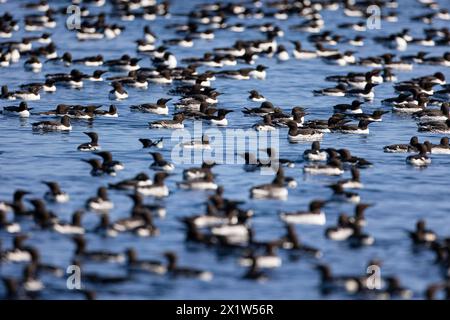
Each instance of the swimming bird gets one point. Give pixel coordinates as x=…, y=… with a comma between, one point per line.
x=292, y=242
x=273, y=190
x=421, y=159
x=219, y=119
x=136, y=265
x=141, y=179
x=432, y=115
x=33, y=64
x=118, y=92
x=159, y=107
x=435, y=126
x=354, y=182
x=421, y=235
x=366, y=93
x=442, y=148
x=315, y=153
x=347, y=158
x=204, y=183
x=268, y=260
x=47, y=86
x=299, y=53
x=81, y=252
x=19, y=252
x=92, y=145
x=330, y=282
x=175, y=123
x=412, y=146
x=159, y=163
x=73, y=227
x=314, y=215
x=157, y=189
x=176, y=271
x=375, y=116
x=334, y=167
x=338, y=91
x=361, y=128
x=256, y=96
x=265, y=125
x=265, y=108
x=55, y=194
x=198, y=172
x=63, y=125
x=17, y=204
x=22, y=110
x=342, y=231
x=296, y=134
x=101, y=202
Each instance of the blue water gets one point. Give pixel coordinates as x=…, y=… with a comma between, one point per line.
x=400, y=193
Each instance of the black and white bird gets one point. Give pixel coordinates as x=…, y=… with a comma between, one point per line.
x=55, y=194
x=92, y=145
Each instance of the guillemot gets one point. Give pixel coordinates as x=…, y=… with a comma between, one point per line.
x=314, y=215
x=64, y=125
x=55, y=194
x=160, y=164
x=273, y=190
x=92, y=145
x=22, y=110
x=175, y=123
x=101, y=202
x=159, y=107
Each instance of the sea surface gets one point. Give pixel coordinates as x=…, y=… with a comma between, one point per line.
x=401, y=194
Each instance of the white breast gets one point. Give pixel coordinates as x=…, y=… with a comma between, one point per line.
x=114, y=95
x=279, y=193
x=28, y=96
x=237, y=230
x=339, y=234
x=305, y=218
x=304, y=137
x=209, y=221
x=440, y=150
x=283, y=56
x=329, y=171
x=420, y=162
x=155, y=191
x=268, y=262
x=352, y=185
x=33, y=285
x=101, y=205
x=304, y=54
x=357, y=131
x=68, y=229
x=260, y=75
x=316, y=156
x=13, y=228
x=222, y=122
x=199, y=185
x=18, y=256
